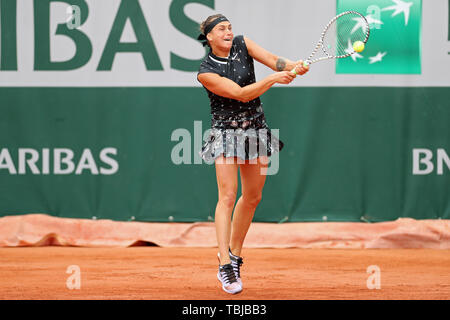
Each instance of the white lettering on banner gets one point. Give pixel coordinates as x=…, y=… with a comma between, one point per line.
x=426, y=160
x=45, y=161
x=67, y=160
x=109, y=161
x=442, y=157
x=30, y=162
x=424, y=157
x=63, y=162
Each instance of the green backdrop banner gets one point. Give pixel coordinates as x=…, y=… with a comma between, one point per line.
x=351, y=153
x=101, y=114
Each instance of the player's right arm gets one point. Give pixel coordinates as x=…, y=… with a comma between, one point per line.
x=227, y=88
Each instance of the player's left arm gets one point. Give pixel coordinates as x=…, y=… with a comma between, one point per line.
x=271, y=60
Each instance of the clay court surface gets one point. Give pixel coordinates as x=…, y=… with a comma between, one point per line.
x=190, y=273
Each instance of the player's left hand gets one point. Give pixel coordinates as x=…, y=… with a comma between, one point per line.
x=301, y=69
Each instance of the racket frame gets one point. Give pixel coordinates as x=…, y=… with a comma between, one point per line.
x=319, y=45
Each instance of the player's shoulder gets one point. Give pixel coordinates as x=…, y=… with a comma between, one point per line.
x=207, y=66
x=205, y=62
x=239, y=40
x=239, y=43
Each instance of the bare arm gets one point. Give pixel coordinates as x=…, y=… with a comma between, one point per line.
x=272, y=61
x=229, y=89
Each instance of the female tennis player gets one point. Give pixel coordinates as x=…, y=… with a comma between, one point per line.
x=239, y=133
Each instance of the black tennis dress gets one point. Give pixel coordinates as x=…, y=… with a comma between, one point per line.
x=238, y=129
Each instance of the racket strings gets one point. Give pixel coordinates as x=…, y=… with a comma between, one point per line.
x=343, y=32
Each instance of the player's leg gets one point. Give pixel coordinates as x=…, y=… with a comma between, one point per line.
x=227, y=183
x=253, y=177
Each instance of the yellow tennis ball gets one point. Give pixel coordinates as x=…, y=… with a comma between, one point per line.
x=358, y=46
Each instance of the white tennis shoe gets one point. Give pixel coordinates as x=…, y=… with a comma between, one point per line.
x=228, y=279
x=236, y=263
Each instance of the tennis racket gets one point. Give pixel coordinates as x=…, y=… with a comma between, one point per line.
x=339, y=36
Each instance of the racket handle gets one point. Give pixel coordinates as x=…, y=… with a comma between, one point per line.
x=305, y=63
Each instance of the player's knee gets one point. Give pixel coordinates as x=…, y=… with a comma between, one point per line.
x=252, y=200
x=228, y=199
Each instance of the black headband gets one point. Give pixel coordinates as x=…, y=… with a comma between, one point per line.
x=202, y=37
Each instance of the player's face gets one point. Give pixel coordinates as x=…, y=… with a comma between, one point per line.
x=221, y=36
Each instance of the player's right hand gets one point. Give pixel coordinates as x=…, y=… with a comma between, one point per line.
x=300, y=68
x=284, y=77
